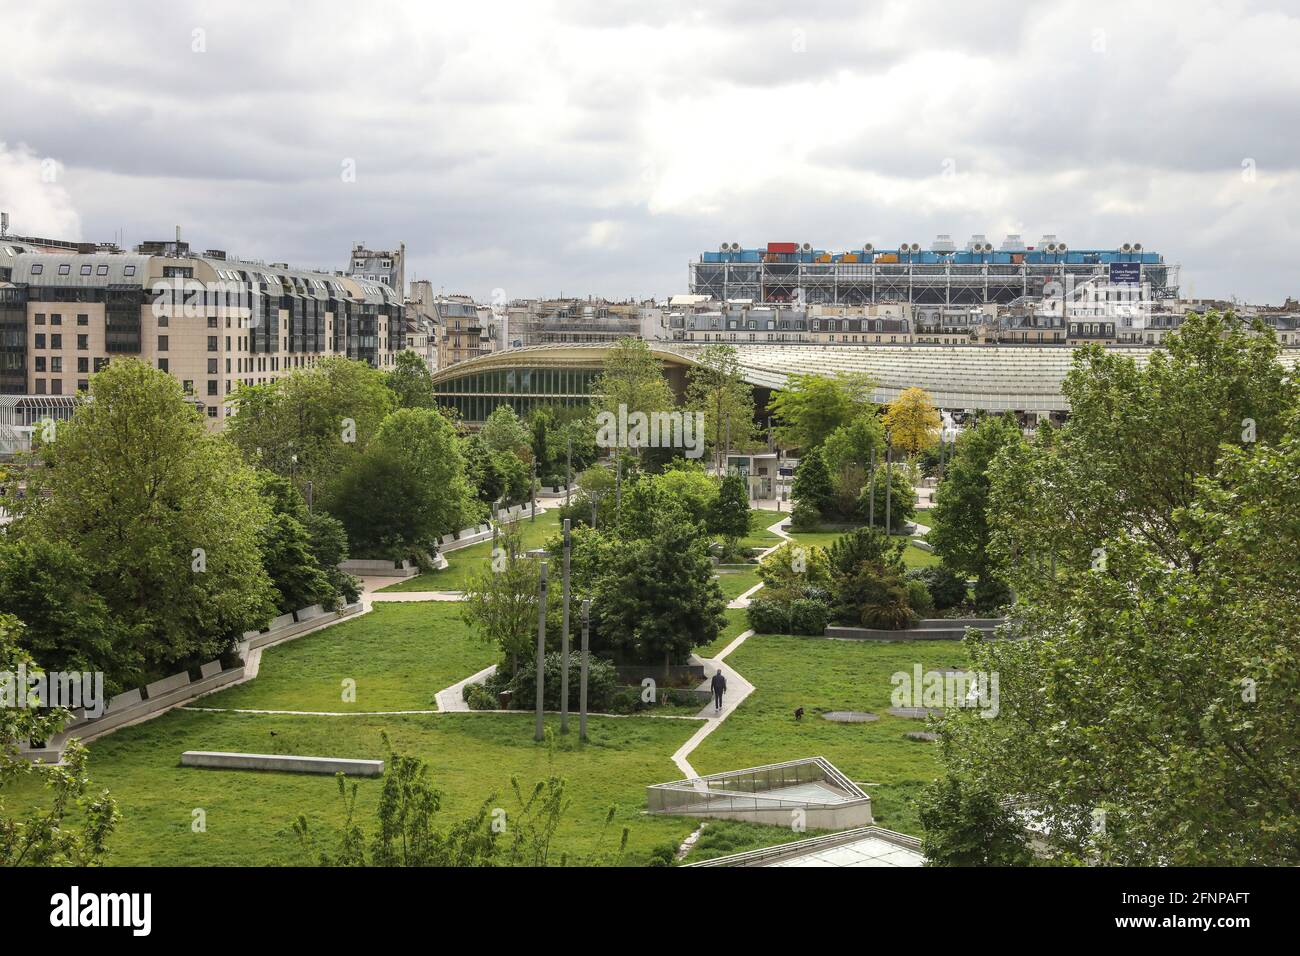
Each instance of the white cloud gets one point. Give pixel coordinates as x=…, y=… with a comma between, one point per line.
x=32, y=192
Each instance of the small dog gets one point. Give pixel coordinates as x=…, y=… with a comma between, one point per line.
x=798, y=714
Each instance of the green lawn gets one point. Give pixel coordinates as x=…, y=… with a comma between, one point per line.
x=821, y=675
x=400, y=656
x=249, y=813
x=736, y=579
x=760, y=520
x=913, y=556
x=723, y=837
x=737, y=624
x=464, y=562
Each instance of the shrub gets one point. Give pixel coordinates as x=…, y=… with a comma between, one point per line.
x=480, y=698
x=601, y=683
x=766, y=616
x=809, y=616
x=918, y=597
x=947, y=589
x=991, y=593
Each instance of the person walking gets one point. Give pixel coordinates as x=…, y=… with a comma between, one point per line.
x=719, y=685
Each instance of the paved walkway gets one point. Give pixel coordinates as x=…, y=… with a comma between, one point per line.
x=380, y=597
x=452, y=699
x=737, y=690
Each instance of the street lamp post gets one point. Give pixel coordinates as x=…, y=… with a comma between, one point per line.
x=532, y=490
x=582, y=679
x=568, y=471
x=871, y=492
x=564, y=640
x=541, y=649
x=889, y=481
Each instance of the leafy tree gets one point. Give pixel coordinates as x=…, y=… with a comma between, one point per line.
x=69, y=627
x=659, y=599
x=500, y=604
x=902, y=497
x=633, y=379
x=716, y=388
x=967, y=826
x=851, y=445
x=540, y=426
x=1155, y=682
x=165, y=516
x=482, y=472
x=946, y=588
x=961, y=525
x=811, y=407
x=411, y=381
x=812, y=489
x=287, y=550
x=329, y=545
x=793, y=570
x=313, y=424
x=504, y=433
x=913, y=421
x=73, y=830
x=729, y=511
x=415, y=459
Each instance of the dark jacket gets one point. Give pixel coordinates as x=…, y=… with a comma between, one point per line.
x=719, y=682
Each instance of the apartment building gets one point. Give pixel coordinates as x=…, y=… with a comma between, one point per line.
x=212, y=321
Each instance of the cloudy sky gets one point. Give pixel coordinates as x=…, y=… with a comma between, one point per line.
x=596, y=147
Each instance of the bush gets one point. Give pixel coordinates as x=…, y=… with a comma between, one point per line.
x=947, y=589
x=766, y=616
x=480, y=698
x=602, y=681
x=809, y=616
x=918, y=597
x=797, y=616
x=991, y=593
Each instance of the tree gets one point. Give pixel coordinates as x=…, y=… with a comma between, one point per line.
x=961, y=525
x=812, y=490
x=165, y=516
x=1154, y=686
x=811, y=407
x=415, y=459
x=852, y=444
x=504, y=433
x=411, y=381
x=913, y=421
x=312, y=425
x=74, y=829
x=287, y=550
x=659, y=599
x=500, y=603
x=540, y=426
x=68, y=626
x=902, y=497
x=632, y=380
x=482, y=472
x=729, y=512
x=966, y=826
x=716, y=389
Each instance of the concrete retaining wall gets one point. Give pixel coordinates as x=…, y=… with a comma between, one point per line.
x=285, y=763
x=379, y=568
x=932, y=629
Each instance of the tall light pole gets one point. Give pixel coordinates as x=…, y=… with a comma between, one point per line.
x=568, y=471
x=889, y=480
x=564, y=640
x=541, y=649
x=871, y=492
x=618, y=488
x=532, y=489
x=582, y=679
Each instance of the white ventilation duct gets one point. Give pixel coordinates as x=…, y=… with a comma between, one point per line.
x=1127, y=247
x=916, y=247
x=1060, y=247
x=868, y=248
x=807, y=247
x=1137, y=247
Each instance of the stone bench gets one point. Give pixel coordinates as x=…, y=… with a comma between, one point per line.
x=285, y=763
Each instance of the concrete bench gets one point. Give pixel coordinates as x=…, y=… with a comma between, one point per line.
x=286, y=763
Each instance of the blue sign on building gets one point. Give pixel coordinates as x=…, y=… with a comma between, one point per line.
x=1125, y=273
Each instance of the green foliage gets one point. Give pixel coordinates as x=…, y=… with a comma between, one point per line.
x=729, y=513
x=73, y=830
x=811, y=407
x=602, y=681
x=967, y=826
x=769, y=615
x=961, y=525
x=902, y=497
x=867, y=580
x=659, y=598
x=504, y=433
x=716, y=388
x=411, y=381
x=1156, y=680
x=287, y=550
x=162, y=514
x=812, y=490
x=306, y=416
x=633, y=378
x=947, y=590
x=407, y=489
x=500, y=603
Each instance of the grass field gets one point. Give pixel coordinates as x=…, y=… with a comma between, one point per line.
x=400, y=655
x=759, y=521
x=821, y=675
x=249, y=814
x=737, y=623
x=736, y=579
x=721, y=837
x=464, y=562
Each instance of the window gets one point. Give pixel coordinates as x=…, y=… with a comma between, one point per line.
x=129, y=271
x=56, y=386
x=83, y=385
x=212, y=366
x=40, y=363
x=56, y=364
x=65, y=269
x=85, y=270
x=188, y=386
x=40, y=318
x=162, y=343
x=83, y=319
x=37, y=269
x=83, y=341
x=56, y=341
x=212, y=411
x=40, y=342
x=212, y=343
x=40, y=386
x=101, y=271
x=162, y=364
x=212, y=386
x=56, y=319
x=100, y=363
x=163, y=321
x=212, y=321
x=83, y=364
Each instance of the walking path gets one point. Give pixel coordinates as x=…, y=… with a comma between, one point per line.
x=737, y=690
x=452, y=699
